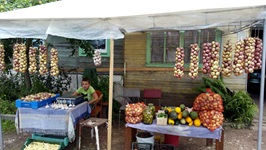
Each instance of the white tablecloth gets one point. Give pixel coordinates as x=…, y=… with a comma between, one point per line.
x=50, y=121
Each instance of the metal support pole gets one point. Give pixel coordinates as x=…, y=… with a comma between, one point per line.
x=1, y=137
x=262, y=83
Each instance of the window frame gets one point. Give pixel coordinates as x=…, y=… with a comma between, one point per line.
x=104, y=52
x=218, y=38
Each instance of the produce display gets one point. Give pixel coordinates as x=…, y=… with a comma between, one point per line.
x=97, y=58
x=37, y=97
x=42, y=60
x=42, y=146
x=179, y=65
x=215, y=68
x=210, y=107
x=32, y=60
x=227, y=60
x=19, y=58
x=206, y=58
x=194, y=61
x=148, y=114
x=54, y=62
x=134, y=112
x=258, y=53
x=182, y=115
x=249, y=54
x=2, y=58
x=238, y=64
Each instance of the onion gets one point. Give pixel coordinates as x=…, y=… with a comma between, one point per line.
x=54, y=62
x=238, y=63
x=42, y=60
x=179, y=66
x=227, y=59
x=194, y=61
x=249, y=54
x=215, y=69
x=32, y=60
x=258, y=53
x=2, y=58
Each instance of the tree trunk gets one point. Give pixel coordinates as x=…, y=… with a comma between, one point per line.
x=27, y=75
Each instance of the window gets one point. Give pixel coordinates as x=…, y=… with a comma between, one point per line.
x=102, y=45
x=161, y=46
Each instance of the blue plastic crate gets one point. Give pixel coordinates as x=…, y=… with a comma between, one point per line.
x=35, y=104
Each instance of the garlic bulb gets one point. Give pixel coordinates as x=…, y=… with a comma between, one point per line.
x=97, y=58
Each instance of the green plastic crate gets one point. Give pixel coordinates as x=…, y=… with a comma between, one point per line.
x=59, y=139
x=30, y=140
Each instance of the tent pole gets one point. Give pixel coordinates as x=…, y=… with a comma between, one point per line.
x=1, y=137
x=110, y=105
x=262, y=83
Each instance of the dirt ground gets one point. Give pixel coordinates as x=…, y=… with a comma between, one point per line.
x=235, y=139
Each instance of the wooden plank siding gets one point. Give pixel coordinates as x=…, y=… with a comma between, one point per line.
x=175, y=91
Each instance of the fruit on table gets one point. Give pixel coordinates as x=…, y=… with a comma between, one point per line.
x=197, y=122
x=178, y=110
x=189, y=120
x=179, y=116
x=173, y=115
x=185, y=113
x=176, y=122
x=182, y=106
x=182, y=121
x=171, y=121
x=193, y=115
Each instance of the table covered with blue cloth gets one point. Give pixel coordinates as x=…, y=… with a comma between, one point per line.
x=179, y=130
x=50, y=121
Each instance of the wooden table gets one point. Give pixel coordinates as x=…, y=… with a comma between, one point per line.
x=131, y=131
x=92, y=123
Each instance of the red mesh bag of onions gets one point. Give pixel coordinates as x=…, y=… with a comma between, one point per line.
x=134, y=112
x=208, y=101
x=209, y=105
x=211, y=119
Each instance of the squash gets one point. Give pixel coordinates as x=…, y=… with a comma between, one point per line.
x=173, y=115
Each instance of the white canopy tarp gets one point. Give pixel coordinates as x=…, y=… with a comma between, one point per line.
x=106, y=19
x=102, y=19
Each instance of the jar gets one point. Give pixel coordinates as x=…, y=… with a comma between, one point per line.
x=152, y=107
x=148, y=115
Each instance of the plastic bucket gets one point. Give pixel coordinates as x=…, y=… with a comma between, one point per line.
x=145, y=140
x=171, y=139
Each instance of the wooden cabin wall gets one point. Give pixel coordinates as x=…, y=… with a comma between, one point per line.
x=175, y=91
x=77, y=64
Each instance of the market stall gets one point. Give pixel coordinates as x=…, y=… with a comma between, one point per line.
x=111, y=23
x=50, y=121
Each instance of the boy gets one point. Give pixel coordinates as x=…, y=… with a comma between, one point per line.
x=87, y=91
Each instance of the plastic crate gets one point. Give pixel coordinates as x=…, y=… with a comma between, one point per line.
x=35, y=104
x=70, y=99
x=59, y=139
x=30, y=140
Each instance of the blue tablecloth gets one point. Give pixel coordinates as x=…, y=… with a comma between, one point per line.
x=179, y=130
x=51, y=121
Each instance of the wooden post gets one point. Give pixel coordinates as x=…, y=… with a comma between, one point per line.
x=220, y=143
x=110, y=108
x=130, y=136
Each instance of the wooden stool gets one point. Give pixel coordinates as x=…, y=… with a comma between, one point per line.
x=92, y=123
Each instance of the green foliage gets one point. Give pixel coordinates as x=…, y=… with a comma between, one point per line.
x=8, y=126
x=8, y=5
x=239, y=107
x=7, y=107
x=86, y=45
x=103, y=85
